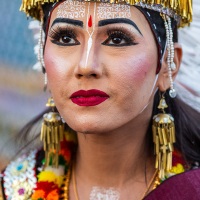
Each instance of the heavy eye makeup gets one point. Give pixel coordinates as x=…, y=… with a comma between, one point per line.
x=119, y=37
x=63, y=36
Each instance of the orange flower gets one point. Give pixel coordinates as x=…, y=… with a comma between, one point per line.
x=66, y=153
x=38, y=194
x=53, y=195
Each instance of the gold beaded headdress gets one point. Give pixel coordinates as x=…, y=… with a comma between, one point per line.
x=180, y=10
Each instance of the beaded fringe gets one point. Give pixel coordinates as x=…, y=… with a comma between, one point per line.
x=182, y=8
x=163, y=137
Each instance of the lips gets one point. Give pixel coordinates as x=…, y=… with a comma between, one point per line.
x=89, y=97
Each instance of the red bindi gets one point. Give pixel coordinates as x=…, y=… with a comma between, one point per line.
x=90, y=21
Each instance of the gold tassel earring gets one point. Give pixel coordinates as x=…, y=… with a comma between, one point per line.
x=163, y=137
x=52, y=133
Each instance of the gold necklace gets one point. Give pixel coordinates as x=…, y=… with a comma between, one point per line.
x=74, y=183
x=65, y=188
x=154, y=182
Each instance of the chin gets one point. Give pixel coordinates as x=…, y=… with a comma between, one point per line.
x=88, y=126
x=83, y=125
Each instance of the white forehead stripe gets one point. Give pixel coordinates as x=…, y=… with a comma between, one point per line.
x=109, y=11
x=71, y=9
x=90, y=40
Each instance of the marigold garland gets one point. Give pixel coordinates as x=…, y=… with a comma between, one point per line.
x=49, y=185
x=50, y=179
x=178, y=165
x=53, y=195
x=49, y=182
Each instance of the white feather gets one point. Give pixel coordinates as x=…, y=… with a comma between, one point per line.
x=188, y=79
x=34, y=25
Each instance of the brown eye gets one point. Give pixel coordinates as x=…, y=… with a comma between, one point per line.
x=118, y=38
x=67, y=40
x=63, y=36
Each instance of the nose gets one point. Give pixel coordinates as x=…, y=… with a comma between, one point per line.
x=89, y=65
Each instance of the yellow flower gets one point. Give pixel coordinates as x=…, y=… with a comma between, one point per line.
x=38, y=194
x=177, y=169
x=50, y=177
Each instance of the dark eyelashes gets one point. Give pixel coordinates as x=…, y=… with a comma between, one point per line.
x=58, y=32
x=116, y=36
x=120, y=32
x=116, y=33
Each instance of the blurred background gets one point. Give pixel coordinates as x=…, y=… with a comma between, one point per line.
x=21, y=88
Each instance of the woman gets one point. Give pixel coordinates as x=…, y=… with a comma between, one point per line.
x=108, y=67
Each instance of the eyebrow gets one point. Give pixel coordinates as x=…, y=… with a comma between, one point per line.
x=117, y=21
x=68, y=21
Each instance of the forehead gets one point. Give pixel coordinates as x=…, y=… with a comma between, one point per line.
x=91, y=13
x=81, y=10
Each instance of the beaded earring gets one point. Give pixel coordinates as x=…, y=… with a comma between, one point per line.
x=163, y=127
x=170, y=58
x=52, y=130
x=52, y=133
x=163, y=137
x=40, y=55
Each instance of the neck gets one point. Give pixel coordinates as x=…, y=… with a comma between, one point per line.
x=114, y=158
x=119, y=159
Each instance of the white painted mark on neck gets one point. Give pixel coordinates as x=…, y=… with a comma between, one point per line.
x=100, y=193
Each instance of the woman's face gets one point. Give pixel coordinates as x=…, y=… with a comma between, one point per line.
x=101, y=62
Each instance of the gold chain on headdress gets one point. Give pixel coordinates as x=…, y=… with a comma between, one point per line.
x=178, y=8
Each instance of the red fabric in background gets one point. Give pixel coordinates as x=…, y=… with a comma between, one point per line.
x=185, y=186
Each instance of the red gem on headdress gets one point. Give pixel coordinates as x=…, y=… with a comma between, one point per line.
x=90, y=21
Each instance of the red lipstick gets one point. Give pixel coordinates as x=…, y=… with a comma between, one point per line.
x=88, y=97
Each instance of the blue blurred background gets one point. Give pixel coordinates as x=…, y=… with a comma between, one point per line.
x=21, y=88
x=16, y=40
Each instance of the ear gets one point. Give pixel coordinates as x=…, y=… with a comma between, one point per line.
x=163, y=79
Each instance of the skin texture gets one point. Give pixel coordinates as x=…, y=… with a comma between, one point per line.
x=113, y=148
x=107, y=70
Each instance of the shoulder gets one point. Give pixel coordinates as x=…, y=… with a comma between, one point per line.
x=20, y=176
x=182, y=186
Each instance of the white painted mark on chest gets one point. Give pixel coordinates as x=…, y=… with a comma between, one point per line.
x=99, y=193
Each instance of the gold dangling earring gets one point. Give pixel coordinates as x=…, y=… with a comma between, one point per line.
x=52, y=133
x=163, y=137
